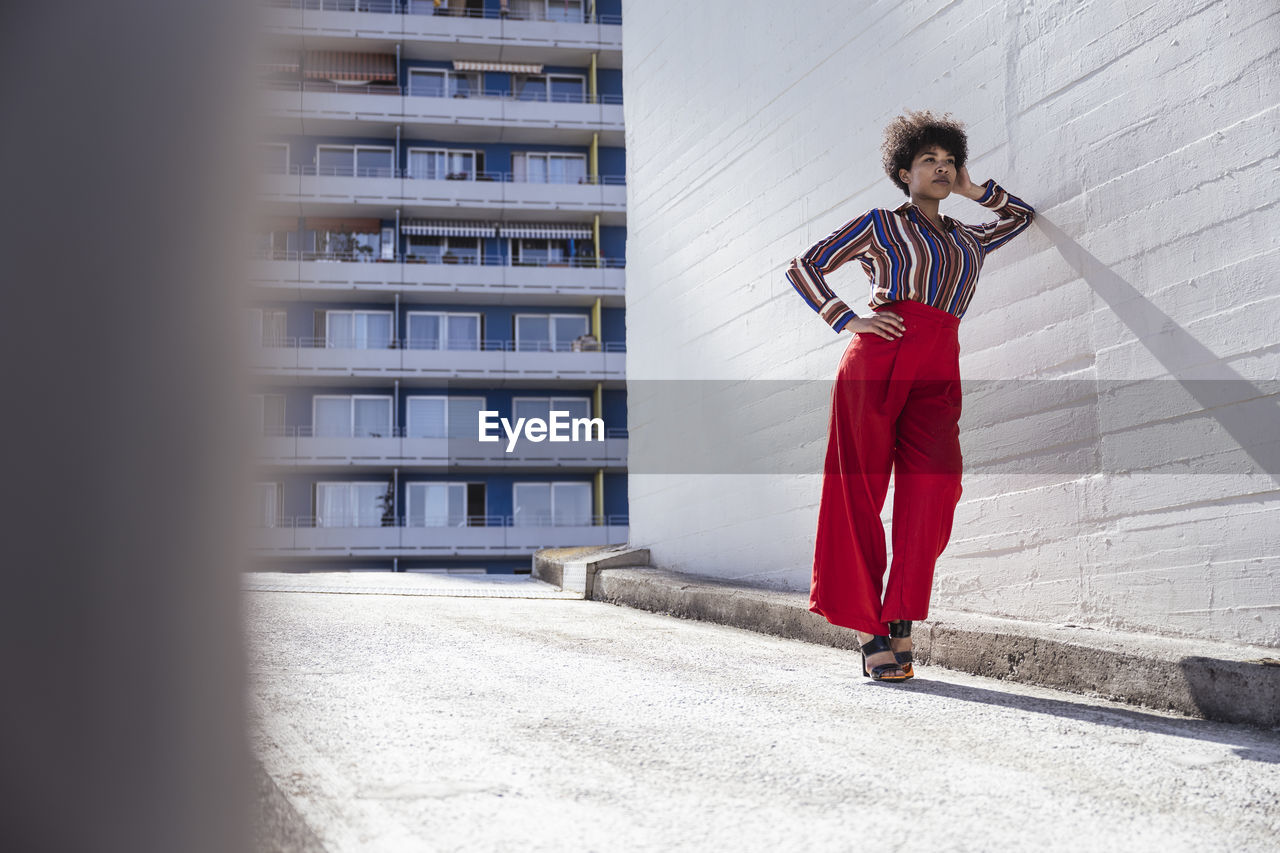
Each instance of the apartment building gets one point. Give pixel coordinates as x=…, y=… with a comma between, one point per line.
x=442, y=234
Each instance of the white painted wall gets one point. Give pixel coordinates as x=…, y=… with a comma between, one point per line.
x=1146, y=137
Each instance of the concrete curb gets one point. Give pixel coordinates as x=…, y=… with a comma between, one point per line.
x=575, y=568
x=1200, y=678
x=278, y=828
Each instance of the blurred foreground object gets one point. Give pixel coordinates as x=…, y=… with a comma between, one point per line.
x=123, y=721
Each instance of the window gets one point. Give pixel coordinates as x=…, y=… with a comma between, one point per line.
x=277, y=244
x=351, y=504
x=441, y=330
x=549, y=332
x=438, y=164
x=332, y=244
x=268, y=504
x=275, y=158
x=530, y=251
x=267, y=327
x=361, y=161
x=559, y=504
x=357, y=329
x=443, y=417
x=351, y=416
x=444, y=250
x=472, y=8
x=548, y=167
x=569, y=11
x=436, y=505
x=267, y=414
x=274, y=327
x=443, y=83
x=542, y=407
x=561, y=88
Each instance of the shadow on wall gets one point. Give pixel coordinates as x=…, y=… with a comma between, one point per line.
x=1187, y=360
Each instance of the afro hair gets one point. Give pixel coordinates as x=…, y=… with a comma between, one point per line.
x=908, y=134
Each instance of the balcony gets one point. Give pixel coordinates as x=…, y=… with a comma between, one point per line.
x=489, y=363
x=475, y=33
x=474, y=194
x=300, y=447
x=480, y=536
x=316, y=107
x=485, y=279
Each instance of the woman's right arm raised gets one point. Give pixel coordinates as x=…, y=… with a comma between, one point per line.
x=807, y=272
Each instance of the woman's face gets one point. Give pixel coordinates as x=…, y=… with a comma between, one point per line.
x=932, y=174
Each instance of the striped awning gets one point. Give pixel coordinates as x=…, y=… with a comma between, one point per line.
x=513, y=67
x=350, y=66
x=549, y=230
x=352, y=224
x=278, y=223
x=446, y=228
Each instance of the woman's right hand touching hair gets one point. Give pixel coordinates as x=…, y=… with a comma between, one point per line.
x=886, y=324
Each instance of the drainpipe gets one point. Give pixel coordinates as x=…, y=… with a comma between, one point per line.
x=599, y=490
x=593, y=77
x=395, y=511
x=595, y=157
x=595, y=234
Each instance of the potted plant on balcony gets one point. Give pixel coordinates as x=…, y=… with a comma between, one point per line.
x=586, y=343
x=449, y=258
x=387, y=502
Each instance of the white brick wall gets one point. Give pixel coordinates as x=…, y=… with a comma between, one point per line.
x=1148, y=145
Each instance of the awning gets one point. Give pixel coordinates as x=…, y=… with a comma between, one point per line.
x=513, y=67
x=355, y=225
x=350, y=66
x=446, y=228
x=550, y=231
x=279, y=223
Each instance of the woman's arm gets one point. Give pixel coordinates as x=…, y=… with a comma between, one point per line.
x=807, y=272
x=1015, y=214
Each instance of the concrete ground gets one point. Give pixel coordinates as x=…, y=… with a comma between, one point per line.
x=475, y=714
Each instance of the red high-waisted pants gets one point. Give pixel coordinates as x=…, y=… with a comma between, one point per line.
x=895, y=405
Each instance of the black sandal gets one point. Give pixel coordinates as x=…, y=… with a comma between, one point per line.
x=902, y=628
x=875, y=645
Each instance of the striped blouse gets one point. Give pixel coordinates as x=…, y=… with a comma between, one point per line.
x=906, y=256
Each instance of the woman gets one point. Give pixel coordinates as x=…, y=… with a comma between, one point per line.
x=896, y=401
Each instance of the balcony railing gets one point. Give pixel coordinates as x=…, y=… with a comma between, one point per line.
x=365, y=521
x=425, y=7
x=391, y=89
x=475, y=175
x=482, y=260
x=308, y=342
